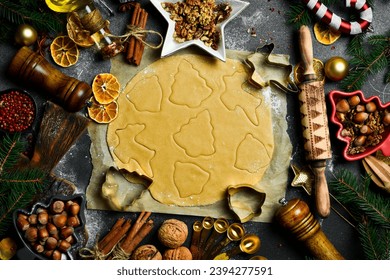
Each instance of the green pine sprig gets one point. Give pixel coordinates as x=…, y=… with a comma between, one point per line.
x=370, y=56
x=370, y=210
x=35, y=13
x=18, y=187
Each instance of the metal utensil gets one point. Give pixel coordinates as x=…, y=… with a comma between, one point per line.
x=220, y=226
x=249, y=244
x=194, y=247
x=234, y=233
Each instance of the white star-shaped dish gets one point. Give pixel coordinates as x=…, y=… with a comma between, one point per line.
x=171, y=45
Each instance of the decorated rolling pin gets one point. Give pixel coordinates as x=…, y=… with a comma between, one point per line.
x=33, y=69
x=295, y=217
x=314, y=122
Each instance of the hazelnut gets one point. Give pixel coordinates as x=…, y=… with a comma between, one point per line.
x=386, y=119
x=73, y=221
x=146, y=252
x=342, y=106
x=360, y=140
x=345, y=133
x=56, y=255
x=33, y=219
x=57, y=207
x=74, y=209
x=31, y=234
x=51, y=243
x=48, y=253
x=172, y=233
x=43, y=234
x=43, y=218
x=340, y=116
x=66, y=232
x=22, y=223
x=71, y=239
x=360, y=117
x=59, y=220
x=38, y=248
x=64, y=246
x=354, y=100
x=51, y=228
x=360, y=108
x=370, y=107
x=365, y=129
x=180, y=253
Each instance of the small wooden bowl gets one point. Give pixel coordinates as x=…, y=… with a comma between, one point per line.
x=384, y=145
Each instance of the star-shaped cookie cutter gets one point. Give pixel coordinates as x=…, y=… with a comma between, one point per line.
x=268, y=69
x=171, y=45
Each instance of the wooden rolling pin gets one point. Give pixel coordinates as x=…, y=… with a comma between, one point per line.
x=30, y=68
x=295, y=217
x=314, y=122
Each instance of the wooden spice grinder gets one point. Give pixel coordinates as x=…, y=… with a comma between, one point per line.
x=295, y=217
x=33, y=69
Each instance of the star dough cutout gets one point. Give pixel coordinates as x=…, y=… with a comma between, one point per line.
x=303, y=178
x=170, y=45
x=270, y=69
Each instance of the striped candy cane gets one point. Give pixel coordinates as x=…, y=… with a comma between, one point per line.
x=338, y=23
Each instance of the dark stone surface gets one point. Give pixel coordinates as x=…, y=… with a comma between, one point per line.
x=268, y=18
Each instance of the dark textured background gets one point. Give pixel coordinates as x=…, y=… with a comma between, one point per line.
x=268, y=18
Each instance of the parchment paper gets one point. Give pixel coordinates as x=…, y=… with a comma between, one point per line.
x=274, y=182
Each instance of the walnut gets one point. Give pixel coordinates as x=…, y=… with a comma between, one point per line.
x=146, y=252
x=180, y=253
x=172, y=233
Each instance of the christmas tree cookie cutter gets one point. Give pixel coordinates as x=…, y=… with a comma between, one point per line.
x=267, y=68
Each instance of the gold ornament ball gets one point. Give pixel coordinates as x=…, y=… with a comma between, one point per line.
x=25, y=35
x=336, y=68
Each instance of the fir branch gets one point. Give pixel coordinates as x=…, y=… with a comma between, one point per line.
x=360, y=199
x=362, y=64
x=374, y=248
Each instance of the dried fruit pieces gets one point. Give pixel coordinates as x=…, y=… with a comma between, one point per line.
x=325, y=34
x=102, y=113
x=64, y=51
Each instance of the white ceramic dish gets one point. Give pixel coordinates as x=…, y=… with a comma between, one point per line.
x=170, y=45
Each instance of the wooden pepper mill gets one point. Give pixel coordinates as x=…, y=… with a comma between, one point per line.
x=295, y=217
x=33, y=69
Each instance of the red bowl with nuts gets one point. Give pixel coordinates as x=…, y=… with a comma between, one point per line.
x=52, y=231
x=18, y=111
x=363, y=123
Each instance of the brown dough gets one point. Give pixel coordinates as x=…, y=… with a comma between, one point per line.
x=194, y=126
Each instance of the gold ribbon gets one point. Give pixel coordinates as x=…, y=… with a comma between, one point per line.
x=140, y=34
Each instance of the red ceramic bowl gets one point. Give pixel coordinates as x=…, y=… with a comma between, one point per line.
x=384, y=145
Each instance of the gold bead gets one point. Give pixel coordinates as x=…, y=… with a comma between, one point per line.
x=25, y=35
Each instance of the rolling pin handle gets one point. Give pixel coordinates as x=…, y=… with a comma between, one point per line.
x=321, y=191
x=306, y=48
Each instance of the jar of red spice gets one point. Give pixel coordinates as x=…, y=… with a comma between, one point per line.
x=17, y=110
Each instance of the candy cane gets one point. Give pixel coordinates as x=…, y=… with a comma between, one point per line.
x=338, y=23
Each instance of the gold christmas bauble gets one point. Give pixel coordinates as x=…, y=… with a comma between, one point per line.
x=336, y=68
x=25, y=35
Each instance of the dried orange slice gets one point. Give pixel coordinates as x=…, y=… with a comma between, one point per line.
x=318, y=66
x=77, y=32
x=64, y=51
x=105, y=88
x=325, y=34
x=102, y=113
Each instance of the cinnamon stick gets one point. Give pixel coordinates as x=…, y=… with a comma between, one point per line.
x=139, y=46
x=133, y=22
x=113, y=231
x=141, y=234
x=141, y=220
x=120, y=233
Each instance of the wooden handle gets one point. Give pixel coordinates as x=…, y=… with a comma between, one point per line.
x=306, y=48
x=321, y=191
x=295, y=217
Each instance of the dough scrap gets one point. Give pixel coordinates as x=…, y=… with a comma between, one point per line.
x=194, y=127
